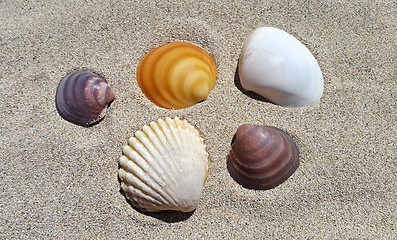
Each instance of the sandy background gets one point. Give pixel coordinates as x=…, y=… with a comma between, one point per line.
x=59, y=180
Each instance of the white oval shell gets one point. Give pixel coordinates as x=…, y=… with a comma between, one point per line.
x=280, y=68
x=164, y=167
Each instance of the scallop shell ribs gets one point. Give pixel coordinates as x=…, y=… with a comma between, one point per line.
x=164, y=167
x=176, y=75
x=262, y=157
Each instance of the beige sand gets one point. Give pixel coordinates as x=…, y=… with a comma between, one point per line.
x=59, y=180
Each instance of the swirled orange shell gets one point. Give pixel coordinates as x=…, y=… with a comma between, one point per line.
x=176, y=75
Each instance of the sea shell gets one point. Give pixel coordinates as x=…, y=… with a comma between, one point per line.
x=262, y=157
x=176, y=75
x=164, y=167
x=82, y=98
x=281, y=69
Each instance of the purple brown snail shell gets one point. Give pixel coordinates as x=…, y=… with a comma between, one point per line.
x=262, y=157
x=82, y=98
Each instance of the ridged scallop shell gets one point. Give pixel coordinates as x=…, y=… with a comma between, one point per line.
x=280, y=68
x=164, y=167
x=82, y=98
x=262, y=157
x=176, y=75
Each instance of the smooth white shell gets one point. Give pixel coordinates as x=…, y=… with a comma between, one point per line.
x=280, y=68
x=164, y=167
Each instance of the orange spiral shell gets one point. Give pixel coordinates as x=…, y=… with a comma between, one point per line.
x=176, y=75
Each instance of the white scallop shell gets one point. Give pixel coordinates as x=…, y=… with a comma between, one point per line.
x=164, y=167
x=280, y=68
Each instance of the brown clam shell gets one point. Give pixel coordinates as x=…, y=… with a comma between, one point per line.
x=82, y=98
x=262, y=157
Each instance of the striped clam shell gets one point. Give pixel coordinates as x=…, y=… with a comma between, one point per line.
x=176, y=75
x=262, y=157
x=82, y=98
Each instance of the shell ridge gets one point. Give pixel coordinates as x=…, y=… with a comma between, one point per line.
x=163, y=146
x=199, y=149
x=142, y=161
x=168, y=143
x=188, y=139
x=178, y=149
x=180, y=130
x=263, y=173
x=143, y=190
x=149, y=152
x=167, y=128
x=159, y=159
x=176, y=132
x=158, y=148
x=133, y=172
x=138, y=187
x=174, y=148
x=139, y=169
x=164, y=131
x=200, y=146
x=140, y=197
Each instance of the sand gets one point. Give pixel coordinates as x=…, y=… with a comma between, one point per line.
x=59, y=180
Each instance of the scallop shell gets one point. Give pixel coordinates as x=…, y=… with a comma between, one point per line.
x=281, y=69
x=82, y=98
x=176, y=75
x=262, y=157
x=164, y=167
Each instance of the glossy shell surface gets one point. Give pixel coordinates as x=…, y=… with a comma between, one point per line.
x=164, y=167
x=280, y=68
x=82, y=98
x=262, y=157
x=176, y=75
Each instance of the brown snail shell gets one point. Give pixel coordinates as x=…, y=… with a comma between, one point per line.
x=262, y=157
x=82, y=98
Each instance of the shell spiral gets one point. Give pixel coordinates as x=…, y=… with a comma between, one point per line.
x=176, y=75
x=164, y=167
x=82, y=98
x=262, y=157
